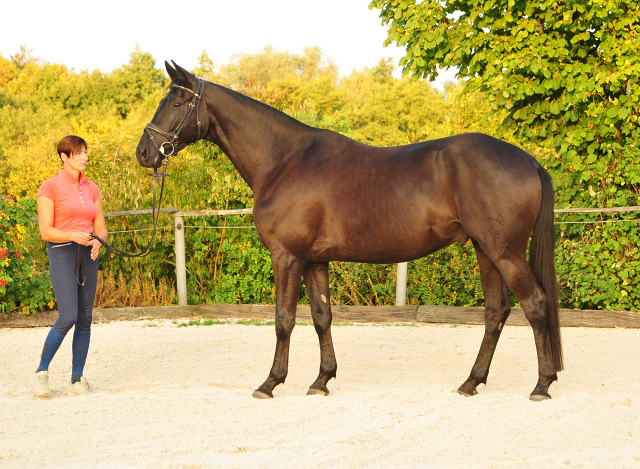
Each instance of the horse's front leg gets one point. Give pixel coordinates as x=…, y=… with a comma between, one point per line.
x=287, y=271
x=316, y=277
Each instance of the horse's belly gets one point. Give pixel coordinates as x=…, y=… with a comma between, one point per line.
x=385, y=246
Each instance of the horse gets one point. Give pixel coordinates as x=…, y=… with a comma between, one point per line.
x=320, y=196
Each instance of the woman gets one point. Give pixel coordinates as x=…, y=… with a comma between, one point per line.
x=70, y=210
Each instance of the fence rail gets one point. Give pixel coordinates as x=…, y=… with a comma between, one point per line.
x=179, y=227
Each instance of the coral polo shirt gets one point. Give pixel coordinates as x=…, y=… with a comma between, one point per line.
x=74, y=208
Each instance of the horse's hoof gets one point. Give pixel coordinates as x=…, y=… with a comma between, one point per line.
x=467, y=391
x=539, y=397
x=317, y=392
x=261, y=395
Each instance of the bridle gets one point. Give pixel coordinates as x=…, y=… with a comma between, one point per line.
x=173, y=136
x=172, y=140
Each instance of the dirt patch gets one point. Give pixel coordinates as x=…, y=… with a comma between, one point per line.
x=180, y=397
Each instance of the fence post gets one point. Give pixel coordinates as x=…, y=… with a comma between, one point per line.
x=181, y=264
x=401, y=284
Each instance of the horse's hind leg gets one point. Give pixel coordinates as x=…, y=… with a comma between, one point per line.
x=520, y=279
x=316, y=277
x=533, y=299
x=287, y=271
x=496, y=312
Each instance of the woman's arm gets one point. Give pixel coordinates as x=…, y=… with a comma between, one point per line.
x=100, y=229
x=49, y=233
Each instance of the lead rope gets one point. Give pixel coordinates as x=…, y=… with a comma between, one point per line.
x=83, y=265
x=155, y=213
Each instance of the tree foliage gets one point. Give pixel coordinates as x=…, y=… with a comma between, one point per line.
x=564, y=75
x=388, y=111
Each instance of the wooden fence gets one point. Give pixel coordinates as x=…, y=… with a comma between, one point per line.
x=341, y=314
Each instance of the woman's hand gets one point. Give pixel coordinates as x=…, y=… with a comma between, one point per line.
x=81, y=238
x=95, y=248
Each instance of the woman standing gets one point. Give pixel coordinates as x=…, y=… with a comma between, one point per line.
x=70, y=210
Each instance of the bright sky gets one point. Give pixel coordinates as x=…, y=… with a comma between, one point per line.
x=90, y=34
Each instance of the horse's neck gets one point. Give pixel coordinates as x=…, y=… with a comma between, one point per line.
x=257, y=139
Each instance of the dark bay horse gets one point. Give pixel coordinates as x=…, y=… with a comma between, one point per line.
x=320, y=196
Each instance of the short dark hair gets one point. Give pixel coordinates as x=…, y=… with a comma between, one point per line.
x=70, y=145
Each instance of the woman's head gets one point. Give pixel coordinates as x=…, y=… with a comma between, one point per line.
x=71, y=145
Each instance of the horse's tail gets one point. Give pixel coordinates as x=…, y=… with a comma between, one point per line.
x=542, y=263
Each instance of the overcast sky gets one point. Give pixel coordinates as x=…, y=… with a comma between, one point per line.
x=88, y=34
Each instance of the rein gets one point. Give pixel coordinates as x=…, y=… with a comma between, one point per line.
x=155, y=213
x=172, y=139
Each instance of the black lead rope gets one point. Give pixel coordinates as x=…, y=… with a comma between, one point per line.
x=83, y=265
x=155, y=213
x=81, y=256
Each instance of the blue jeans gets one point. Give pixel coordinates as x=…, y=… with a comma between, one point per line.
x=74, y=277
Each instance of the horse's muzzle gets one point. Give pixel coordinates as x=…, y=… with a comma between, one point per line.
x=147, y=155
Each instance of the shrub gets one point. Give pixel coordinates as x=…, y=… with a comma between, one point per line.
x=24, y=281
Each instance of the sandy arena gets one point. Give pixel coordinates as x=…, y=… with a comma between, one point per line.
x=180, y=397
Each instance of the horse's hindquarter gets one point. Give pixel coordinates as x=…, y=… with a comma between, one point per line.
x=347, y=201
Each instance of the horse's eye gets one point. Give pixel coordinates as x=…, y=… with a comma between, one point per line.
x=177, y=104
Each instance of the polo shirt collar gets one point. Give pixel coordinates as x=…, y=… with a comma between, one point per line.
x=67, y=177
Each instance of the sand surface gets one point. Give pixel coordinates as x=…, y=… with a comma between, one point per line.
x=180, y=397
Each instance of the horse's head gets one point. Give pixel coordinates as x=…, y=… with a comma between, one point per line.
x=176, y=122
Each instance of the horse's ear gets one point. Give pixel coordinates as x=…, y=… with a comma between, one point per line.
x=184, y=74
x=170, y=70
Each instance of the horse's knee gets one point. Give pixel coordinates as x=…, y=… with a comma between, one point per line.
x=321, y=320
x=284, y=324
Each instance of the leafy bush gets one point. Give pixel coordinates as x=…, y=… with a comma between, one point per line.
x=24, y=282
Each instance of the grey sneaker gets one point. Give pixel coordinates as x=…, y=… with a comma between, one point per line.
x=81, y=388
x=41, y=384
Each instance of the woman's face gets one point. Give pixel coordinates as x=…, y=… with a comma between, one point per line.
x=76, y=162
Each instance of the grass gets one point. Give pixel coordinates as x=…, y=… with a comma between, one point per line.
x=264, y=322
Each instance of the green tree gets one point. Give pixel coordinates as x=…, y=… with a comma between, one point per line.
x=270, y=65
x=136, y=80
x=389, y=111
x=205, y=68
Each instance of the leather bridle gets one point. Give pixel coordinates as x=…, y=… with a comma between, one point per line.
x=172, y=137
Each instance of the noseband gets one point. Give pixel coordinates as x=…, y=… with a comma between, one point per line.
x=172, y=137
